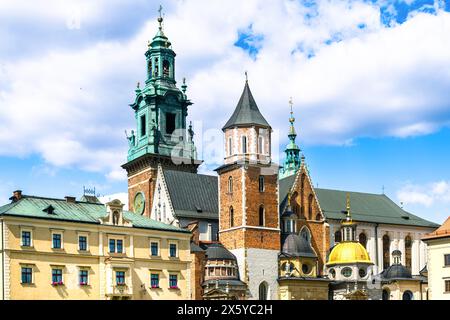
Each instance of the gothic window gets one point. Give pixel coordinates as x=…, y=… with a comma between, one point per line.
x=170, y=122
x=386, y=254
x=261, y=183
x=244, y=144
x=318, y=217
x=231, y=217
x=260, y=145
x=337, y=236
x=263, y=291
x=166, y=68
x=363, y=239
x=230, y=147
x=305, y=234
x=143, y=126
x=310, y=206
x=408, y=246
x=261, y=216
x=230, y=185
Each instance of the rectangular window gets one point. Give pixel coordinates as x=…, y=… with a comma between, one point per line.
x=119, y=246
x=57, y=277
x=143, y=126
x=447, y=285
x=26, y=238
x=27, y=275
x=84, y=277
x=173, y=281
x=170, y=122
x=447, y=260
x=244, y=144
x=173, y=250
x=57, y=241
x=261, y=183
x=154, y=249
x=112, y=245
x=154, y=280
x=120, y=278
x=82, y=243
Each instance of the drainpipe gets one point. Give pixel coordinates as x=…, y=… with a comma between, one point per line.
x=376, y=247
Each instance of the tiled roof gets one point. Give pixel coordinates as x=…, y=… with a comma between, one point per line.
x=78, y=211
x=442, y=232
x=246, y=112
x=193, y=195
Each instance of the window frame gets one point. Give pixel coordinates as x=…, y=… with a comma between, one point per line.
x=116, y=239
x=31, y=274
x=61, y=240
x=80, y=275
x=158, y=279
x=446, y=260
x=446, y=286
x=261, y=184
x=173, y=243
x=30, y=243
x=86, y=243
x=142, y=125
x=171, y=275
x=244, y=144
x=230, y=146
x=158, y=248
x=59, y=275
x=117, y=277
x=261, y=216
x=168, y=116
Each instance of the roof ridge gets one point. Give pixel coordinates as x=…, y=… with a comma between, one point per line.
x=348, y=191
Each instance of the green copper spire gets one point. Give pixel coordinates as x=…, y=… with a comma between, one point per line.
x=161, y=108
x=293, y=160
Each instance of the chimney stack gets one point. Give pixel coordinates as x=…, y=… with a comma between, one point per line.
x=17, y=195
x=70, y=199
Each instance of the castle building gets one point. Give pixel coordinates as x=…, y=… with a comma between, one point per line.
x=249, y=224
x=67, y=249
x=438, y=266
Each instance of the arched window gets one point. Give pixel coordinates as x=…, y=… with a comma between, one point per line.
x=363, y=239
x=260, y=145
x=244, y=144
x=230, y=146
x=261, y=183
x=263, y=291
x=408, y=246
x=116, y=216
x=386, y=294
x=230, y=185
x=261, y=216
x=305, y=234
x=166, y=68
x=337, y=236
x=156, y=67
x=310, y=206
x=407, y=295
x=318, y=217
x=231, y=217
x=150, y=74
x=386, y=253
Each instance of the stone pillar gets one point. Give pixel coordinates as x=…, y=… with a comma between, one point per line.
x=371, y=243
x=379, y=267
x=401, y=247
x=415, y=253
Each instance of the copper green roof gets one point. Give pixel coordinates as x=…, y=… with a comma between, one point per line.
x=78, y=211
x=246, y=112
x=366, y=207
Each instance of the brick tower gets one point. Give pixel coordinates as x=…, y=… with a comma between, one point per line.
x=160, y=110
x=248, y=198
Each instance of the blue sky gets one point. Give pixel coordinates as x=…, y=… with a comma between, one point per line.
x=369, y=80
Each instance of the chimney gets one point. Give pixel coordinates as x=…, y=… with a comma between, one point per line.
x=70, y=199
x=17, y=195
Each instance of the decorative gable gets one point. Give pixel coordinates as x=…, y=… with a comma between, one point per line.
x=114, y=215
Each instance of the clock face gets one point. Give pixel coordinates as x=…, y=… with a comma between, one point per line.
x=139, y=203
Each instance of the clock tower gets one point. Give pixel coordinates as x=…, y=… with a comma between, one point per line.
x=162, y=135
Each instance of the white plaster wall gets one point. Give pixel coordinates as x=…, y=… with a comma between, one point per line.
x=437, y=272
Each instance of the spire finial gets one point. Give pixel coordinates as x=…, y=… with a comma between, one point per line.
x=160, y=18
x=138, y=84
x=246, y=76
x=349, y=217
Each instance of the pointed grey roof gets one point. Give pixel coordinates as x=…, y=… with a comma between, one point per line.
x=246, y=112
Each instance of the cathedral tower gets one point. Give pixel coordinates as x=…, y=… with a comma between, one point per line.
x=160, y=110
x=248, y=198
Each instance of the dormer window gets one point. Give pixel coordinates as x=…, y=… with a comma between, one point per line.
x=116, y=217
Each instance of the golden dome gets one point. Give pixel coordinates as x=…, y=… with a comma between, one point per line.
x=348, y=252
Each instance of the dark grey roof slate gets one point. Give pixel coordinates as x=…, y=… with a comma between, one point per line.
x=193, y=195
x=296, y=245
x=396, y=271
x=196, y=248
x=217, y=251
x=246, y=112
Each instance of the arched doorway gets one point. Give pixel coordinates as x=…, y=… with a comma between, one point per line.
x=407, y=295
x=263, y=288
x=385, y=294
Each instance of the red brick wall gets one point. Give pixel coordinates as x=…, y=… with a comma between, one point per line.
x=142, y=182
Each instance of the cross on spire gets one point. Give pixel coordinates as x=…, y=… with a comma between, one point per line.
x=160, y=18
x=246, y=76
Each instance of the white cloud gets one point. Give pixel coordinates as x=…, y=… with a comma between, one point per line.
x=122, y=196
x=71, y=106
x=427, y=194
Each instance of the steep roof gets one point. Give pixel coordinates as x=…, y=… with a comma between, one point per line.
x=193, y=195
x=441, y=232
x=246, y=112
x=366, y=207
x=78, y=211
